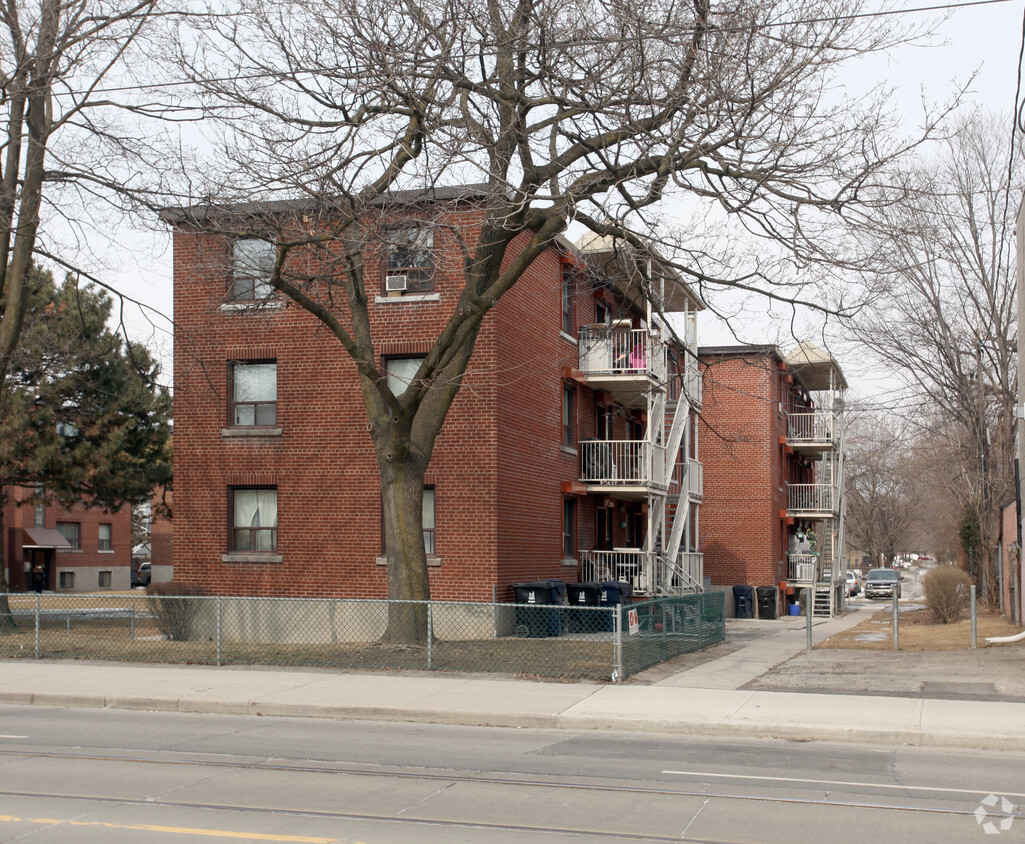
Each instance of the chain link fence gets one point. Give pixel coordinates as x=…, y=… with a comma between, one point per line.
x=553, y=641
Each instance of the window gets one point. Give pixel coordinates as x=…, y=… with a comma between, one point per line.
x=569, y=416
x=603, y=422
x=72, y=532
x=428, y=519
x=254, y=393
x=569, y=527
x=254, y=519
x=104, y=580
x=104, y=538
x=603, y=528
x=567, y=299
x=410, y=251
x=401, y=373
x=252, y=262
x=66, y=579
x=39, y=508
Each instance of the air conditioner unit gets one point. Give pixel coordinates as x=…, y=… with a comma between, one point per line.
x=395, y=283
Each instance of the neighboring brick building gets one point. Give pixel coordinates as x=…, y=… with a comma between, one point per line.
x=79, y=549
x=552, y=462
x=774, y=467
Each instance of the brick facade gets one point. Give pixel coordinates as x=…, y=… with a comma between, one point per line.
x=499, y=468
x=87, y=568
x=748, y=392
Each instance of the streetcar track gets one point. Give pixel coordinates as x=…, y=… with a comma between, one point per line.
x=366, y=818
x=465, y=779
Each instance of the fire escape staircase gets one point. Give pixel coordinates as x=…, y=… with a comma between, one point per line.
x=670, y=578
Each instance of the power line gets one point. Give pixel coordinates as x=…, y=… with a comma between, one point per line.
x=493, y=51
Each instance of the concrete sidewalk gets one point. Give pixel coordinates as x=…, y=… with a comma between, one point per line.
x=705, y=700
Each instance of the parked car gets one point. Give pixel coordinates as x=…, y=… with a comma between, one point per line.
x=853, y=584
x=142, y=575
x=881, y=583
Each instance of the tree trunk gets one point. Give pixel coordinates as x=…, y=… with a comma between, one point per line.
x=402, y=499
x=6, y=619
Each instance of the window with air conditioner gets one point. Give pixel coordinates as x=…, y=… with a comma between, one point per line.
x=409, y=265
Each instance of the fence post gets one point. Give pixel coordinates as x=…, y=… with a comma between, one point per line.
x=809, y=612
x=975, y=626
x=896, y=621
x=617, y=616
x=219, y=631
x=430, y=635
x=37, y=625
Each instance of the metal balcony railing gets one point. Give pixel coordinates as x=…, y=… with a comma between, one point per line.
x=621, y=463
x=811, y=498
x=803, y=567
x=812, y=427
x=622, y=351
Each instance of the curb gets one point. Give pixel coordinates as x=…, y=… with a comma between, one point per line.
x=564, y=721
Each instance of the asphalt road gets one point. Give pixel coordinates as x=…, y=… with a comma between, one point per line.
x=109, y=776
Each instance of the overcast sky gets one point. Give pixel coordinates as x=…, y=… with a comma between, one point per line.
x=984, y=38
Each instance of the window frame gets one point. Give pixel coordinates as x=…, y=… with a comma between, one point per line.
x=395, y=378
x=430, y=548
x=569, y=415
x=254, y=286
x=105, y=544
x=234, y=404
x=414, y=239
x=76, y=545
x=234, y=530
x=568, y=297
x=104, y=579
x=569, y=528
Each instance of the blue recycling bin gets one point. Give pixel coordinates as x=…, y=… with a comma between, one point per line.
x=613, y=593
x=742, y=601
x=539, y=610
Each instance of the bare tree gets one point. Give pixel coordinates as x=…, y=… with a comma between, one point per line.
x=881, y=501
x=944, y=320
x=55, y=56
x=590, y=113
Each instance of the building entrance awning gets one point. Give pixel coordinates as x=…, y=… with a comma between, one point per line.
x=44, y=538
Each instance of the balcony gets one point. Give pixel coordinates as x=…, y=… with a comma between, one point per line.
x=645, y=572
x=815, y=431
x=626, y=468
x=623, y=361
x=803, y=568
x=809, y=500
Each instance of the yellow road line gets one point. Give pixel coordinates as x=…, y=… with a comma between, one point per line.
x=177, y=830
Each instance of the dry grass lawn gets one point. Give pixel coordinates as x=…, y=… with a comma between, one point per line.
x=919, y=631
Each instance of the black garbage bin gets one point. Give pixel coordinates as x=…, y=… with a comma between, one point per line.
x=742, y=603
x=538, y=611
x=766, y=601
x=580, y=619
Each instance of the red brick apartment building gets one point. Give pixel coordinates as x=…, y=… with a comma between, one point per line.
x=79, y=549
x=773, y=510
x=560, y=457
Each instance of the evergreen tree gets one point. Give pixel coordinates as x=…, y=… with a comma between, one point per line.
x=81, y=413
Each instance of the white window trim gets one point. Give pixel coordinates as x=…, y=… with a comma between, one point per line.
x=407, y=298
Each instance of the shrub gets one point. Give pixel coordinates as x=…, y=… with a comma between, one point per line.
x=947, y=590
x=176, y=607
